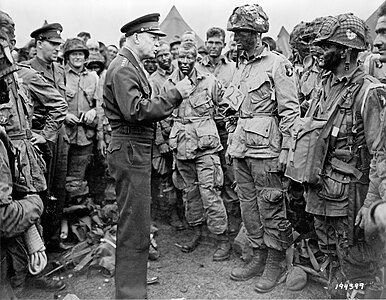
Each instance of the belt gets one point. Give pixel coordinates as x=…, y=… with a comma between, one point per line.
x=251, y=115
x=140, y=131
x=22, y=135
x=192, y=119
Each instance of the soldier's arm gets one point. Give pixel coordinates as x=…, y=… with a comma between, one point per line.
x=49, y=97
x=287, y=99
x=15, y=216
x=134, y=106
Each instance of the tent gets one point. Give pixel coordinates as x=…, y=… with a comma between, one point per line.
x=282, y=42
x=174, y=24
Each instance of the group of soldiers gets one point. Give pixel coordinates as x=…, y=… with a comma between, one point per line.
x=249, y=133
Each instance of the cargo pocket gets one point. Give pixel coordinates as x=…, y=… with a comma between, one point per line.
x=5, y=113
x=335, y=185
x=114, y=146
x=257, y=133
x=260, y=88
x=272, y=196
x=201, y=102
x=207, y=135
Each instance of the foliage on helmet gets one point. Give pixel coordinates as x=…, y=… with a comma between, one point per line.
x=346, y=30
x=304, y=33
x=248, y=17
x=7, y=27
x=75, y=44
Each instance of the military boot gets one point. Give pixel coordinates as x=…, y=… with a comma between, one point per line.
x=254, y=268
x=194, y=242
x=272, y=272
x=223, y=248
x=174, y=220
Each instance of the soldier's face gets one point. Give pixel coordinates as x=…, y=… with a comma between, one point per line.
x=331, y=57
x=186, y=59
x=112, y=52
x=380, y=39
x=214, y=44
x=48, y=51
x=150, y=65
x=164, y=58
x=174, y=50
x=147, y=45
x=245, y=39
x=77, y=59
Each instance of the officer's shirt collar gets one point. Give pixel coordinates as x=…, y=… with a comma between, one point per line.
x=47, y=65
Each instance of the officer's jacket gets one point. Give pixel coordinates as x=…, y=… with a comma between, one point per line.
x=358, y=130
x=194, y=132
x=15, y=216
x=55, y=75
x=14, y=117
x=53, y=72
x=270, y=106
x=81, y=91
x=127, y=94
x=45, y=96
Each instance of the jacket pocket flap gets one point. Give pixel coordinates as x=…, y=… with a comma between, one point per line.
x=258, y=81
x=200, y=99
x=260, y=126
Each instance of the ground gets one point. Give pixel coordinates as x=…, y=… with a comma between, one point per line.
x=181, y=276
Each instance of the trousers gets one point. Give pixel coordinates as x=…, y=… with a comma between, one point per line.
x=260, y=191
x=129, y=160
x=203, y=179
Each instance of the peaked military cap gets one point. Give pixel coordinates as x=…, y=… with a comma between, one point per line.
x=50, y=32
x=147, y=23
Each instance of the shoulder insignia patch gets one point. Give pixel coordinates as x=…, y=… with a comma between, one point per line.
x=289, y=70
x=124, y=62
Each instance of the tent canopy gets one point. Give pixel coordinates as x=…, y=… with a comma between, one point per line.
x=282, y=42
x=174, y=24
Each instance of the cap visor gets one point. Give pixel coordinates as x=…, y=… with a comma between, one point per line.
x=56, y=40
x=157, y=32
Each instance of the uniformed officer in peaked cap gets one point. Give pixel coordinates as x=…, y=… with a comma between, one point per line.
x=50, y=32
x=132, y=113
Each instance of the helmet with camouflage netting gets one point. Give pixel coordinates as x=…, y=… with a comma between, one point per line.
x=346, y=30
x=75, y=44
x=248, y=17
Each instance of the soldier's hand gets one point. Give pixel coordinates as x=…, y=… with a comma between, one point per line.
x=89, y=116
x=102, y=147
x=283, y=159
x=37, y=139
x=184, y=87
x=164, y=148
x=360, y=219
x=71, y=119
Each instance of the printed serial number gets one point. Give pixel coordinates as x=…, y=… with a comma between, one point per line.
x=350, y=286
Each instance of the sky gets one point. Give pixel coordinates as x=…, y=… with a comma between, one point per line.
x=104, y=18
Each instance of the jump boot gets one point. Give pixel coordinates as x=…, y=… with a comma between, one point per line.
x=174, y=220
x=272, y=272
x=223, y=247
x=254, y=268
x=195, y=241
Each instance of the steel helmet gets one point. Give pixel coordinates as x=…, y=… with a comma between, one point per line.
x=345, y=29
x=75, y=44
x=248, y=17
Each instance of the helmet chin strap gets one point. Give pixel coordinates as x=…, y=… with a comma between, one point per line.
x=347, y=61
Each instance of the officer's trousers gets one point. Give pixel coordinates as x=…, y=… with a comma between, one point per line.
x=260, y=191
x=203, y=179
x=129, y=160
